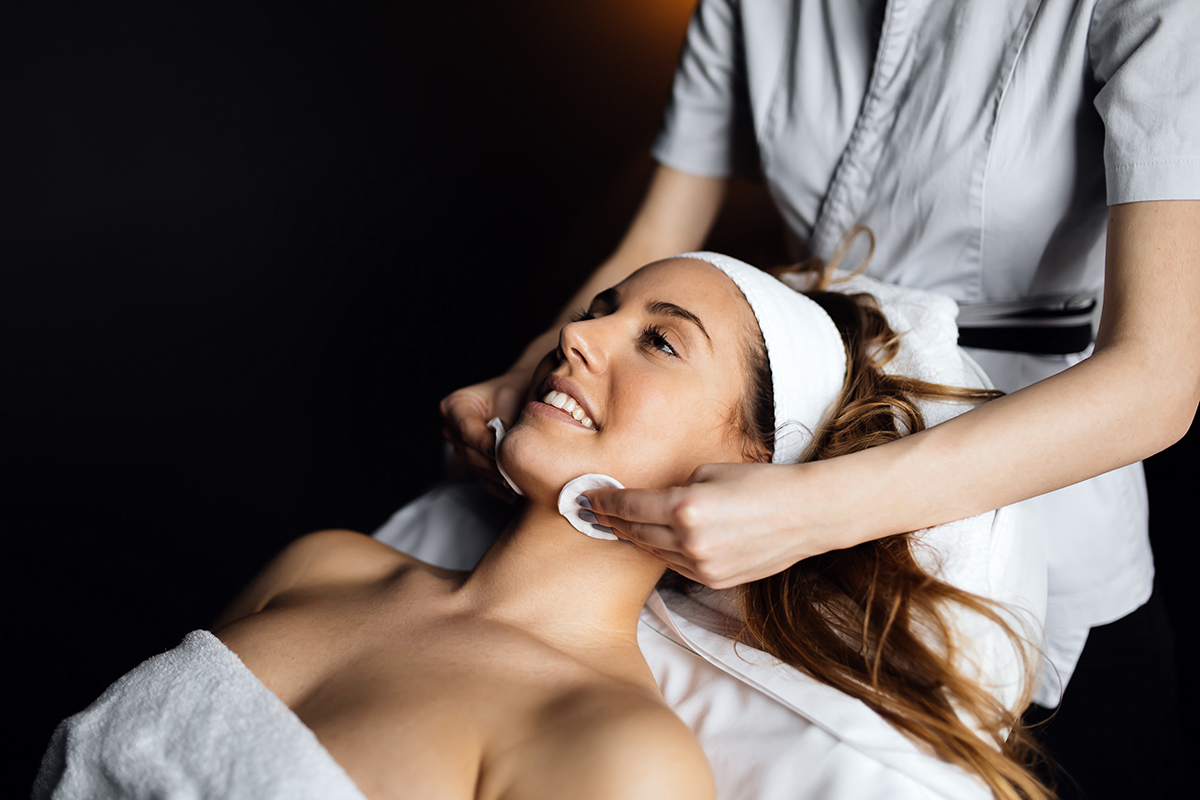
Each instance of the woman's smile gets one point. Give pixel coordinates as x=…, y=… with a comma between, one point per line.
x=547, y=407
x=570, y=398
x=568, y=404
x=564, y=400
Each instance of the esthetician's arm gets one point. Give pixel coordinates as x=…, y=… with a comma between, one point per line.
x=675, y=216
x=1135, y=396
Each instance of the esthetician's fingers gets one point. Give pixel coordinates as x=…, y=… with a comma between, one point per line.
x=646, y=517
x=466, y=430
x=479, y=464
x=672, y=558
x=466, y=413
x=483, y=468
x=730, y=524
x=679, y=544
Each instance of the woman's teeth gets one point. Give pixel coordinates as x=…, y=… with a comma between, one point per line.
x=567, y=403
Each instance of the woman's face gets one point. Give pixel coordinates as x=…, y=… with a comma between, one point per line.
x=649, y=382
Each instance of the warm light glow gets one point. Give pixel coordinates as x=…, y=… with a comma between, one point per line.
x=665, y=17
x=612, y=60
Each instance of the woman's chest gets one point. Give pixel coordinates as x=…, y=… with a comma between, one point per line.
x=412, y=705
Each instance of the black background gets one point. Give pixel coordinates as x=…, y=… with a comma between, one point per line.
x=244, y=252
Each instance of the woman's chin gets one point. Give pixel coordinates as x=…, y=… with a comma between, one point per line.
x=540, y=475
x=538, y=490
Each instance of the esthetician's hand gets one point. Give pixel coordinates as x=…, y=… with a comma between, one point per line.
x=466, y=413
x=730, y=524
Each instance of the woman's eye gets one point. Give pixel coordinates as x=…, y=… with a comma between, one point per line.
x=656, y=340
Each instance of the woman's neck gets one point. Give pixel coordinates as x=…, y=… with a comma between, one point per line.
x=569, y=590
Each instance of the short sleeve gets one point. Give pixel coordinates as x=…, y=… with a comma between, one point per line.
x=707, y=127
x=1146, y=56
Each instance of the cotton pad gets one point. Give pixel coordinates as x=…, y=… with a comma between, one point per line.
x=498, y=428
x=568, y=503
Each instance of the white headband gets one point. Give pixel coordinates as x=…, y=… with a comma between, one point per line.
x=804, y=349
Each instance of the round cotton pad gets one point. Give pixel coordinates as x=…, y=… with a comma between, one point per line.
x=568, y=503
x=497, y=427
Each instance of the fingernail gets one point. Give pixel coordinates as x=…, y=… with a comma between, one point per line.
x=586, y=515
x=583, y=501
x=602, y=528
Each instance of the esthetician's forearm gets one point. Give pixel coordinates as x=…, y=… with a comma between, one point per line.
x=1135, y=396
x=677, y=213
x=1065, y=429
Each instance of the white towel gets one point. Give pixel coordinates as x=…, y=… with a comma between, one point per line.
x=191, y=723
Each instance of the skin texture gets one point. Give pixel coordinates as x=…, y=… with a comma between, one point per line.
x=1135, y=396
x=522, y=679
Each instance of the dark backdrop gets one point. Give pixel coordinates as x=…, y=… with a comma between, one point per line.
x=245, y=251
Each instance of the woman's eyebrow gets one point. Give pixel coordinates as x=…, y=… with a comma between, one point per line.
x=671, y=310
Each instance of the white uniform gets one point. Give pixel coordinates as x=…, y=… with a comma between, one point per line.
x=982, y=143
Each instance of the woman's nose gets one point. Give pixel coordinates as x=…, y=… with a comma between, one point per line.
x=584, y=344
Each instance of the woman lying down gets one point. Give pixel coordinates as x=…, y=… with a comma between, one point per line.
x=349, y=669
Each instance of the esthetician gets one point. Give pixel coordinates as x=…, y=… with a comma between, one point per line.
x=1039, y=162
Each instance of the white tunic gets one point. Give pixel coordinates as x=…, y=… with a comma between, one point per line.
x=981, y=142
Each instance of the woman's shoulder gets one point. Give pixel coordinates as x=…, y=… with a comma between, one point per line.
x=325, y=558
x=616, y=743
x=334, y=556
